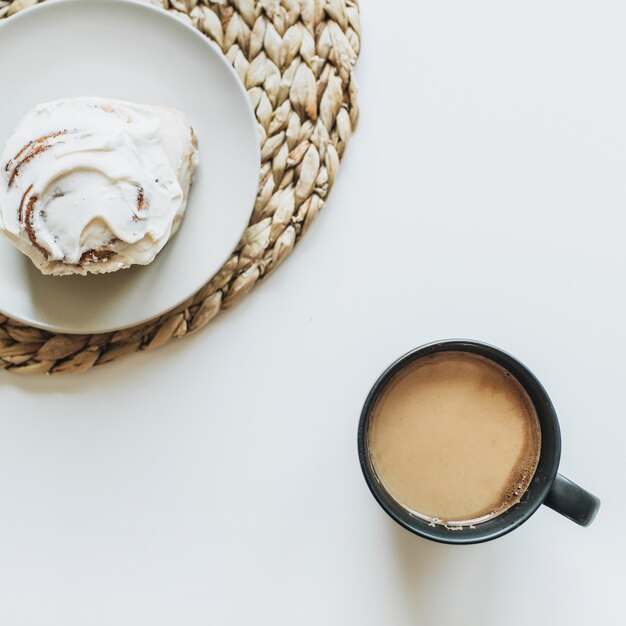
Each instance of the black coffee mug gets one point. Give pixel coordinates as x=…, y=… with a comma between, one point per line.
x=547, y=487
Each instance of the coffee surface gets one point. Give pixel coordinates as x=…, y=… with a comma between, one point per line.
x=454, y=438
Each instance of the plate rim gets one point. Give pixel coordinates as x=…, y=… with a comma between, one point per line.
x=142, y=5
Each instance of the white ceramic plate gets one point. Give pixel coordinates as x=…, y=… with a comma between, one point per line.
x=131, y=51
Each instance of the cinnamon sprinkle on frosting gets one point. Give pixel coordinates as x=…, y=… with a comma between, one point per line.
x=28, y=224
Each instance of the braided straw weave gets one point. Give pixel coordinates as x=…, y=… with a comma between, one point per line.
x=296, y=59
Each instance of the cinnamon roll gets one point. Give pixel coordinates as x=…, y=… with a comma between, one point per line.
x=89, y=185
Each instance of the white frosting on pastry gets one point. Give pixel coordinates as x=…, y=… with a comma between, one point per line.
x=93, y=185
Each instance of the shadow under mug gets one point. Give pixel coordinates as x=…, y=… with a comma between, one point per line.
x=547, y=487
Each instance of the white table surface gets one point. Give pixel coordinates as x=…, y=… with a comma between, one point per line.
x=216, y=480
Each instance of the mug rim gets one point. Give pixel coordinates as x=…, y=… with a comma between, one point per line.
x=539, y=487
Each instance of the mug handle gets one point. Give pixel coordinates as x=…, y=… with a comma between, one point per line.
x=572, y=501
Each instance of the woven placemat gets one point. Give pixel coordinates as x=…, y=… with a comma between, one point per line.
x=296, y=59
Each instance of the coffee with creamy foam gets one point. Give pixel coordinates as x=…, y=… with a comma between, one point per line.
x=454, y=438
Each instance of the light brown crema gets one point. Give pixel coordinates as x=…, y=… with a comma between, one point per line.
x=454, y=438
